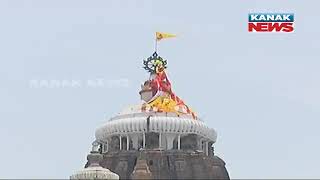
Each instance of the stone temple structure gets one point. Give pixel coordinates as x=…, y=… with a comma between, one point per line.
x=161, y=138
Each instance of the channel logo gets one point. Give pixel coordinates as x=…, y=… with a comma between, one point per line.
x=270, y=22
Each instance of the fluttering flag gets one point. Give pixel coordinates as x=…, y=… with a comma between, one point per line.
x=160, y=35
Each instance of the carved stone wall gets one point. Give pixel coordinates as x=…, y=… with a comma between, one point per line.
x=173, y=164
x=152, y=140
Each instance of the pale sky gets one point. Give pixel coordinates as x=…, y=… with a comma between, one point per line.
x=259, y=91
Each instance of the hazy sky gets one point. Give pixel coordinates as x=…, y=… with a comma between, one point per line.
x=261, y=92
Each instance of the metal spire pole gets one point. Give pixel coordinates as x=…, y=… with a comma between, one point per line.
x=156, y=45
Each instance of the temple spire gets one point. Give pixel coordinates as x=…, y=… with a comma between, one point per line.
x=157, y=92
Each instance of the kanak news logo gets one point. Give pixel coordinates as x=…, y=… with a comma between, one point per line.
x=270, y=22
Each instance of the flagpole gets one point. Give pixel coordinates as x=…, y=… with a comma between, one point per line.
x=156, y=45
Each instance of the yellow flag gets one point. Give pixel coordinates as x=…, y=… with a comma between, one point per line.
x=160, y=35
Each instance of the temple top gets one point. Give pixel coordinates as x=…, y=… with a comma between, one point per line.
x=157, y=92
